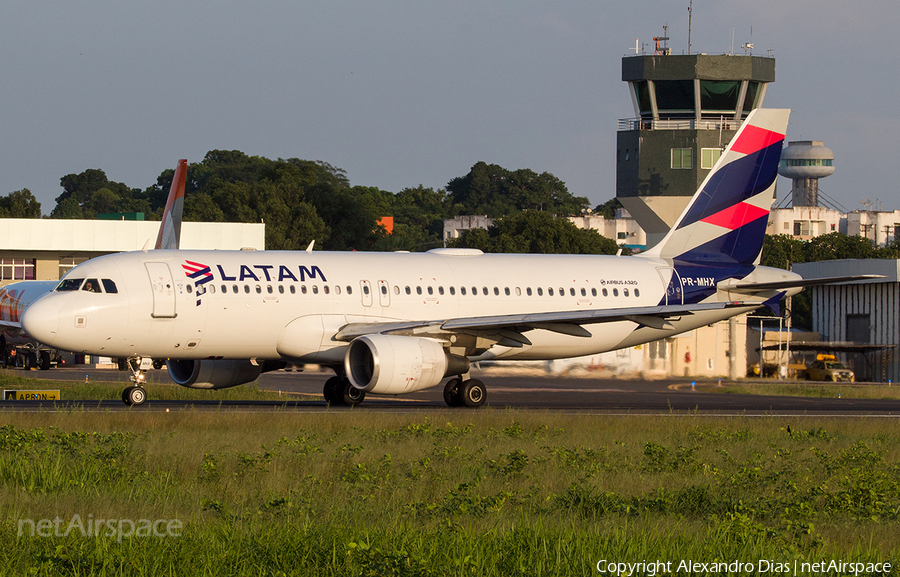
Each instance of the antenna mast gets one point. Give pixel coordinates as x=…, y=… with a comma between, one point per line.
x=690, y=11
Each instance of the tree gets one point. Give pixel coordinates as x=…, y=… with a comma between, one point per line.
x=492, y=190
x=538, y=232
x=90, y=193
x=20, y=204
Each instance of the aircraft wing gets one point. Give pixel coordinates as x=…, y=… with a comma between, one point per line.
x=511, y=327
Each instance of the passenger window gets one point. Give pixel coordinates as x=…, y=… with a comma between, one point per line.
x=462, y=290
x=528, y=291
x=615, y=292
x=247, y=288
x=396, y=289
x=584, y=292
x=562, y=292
x=441, y=290
x=418, y=290
x=496, y=291
x=234, y=288
x=506, y=291
x=625, y=292
x=69, y=284
x=572, y=291
x=324, y=288
x=383, y=290
x=269, y=289
x=315, y=289
x=484, y=290
x=475, y=291
x=303, y=289
x=593, y=292
x=637, y=292
x=550, y=291
x=258, y=289
x=605, y=293
x=365, y=289
x=430, y=291
x=190, y=288
x=349, y=290
x=408, y=290
x=212, y=289
x=281, y=289
x=293, y=289
x=91, y=285
x=452, y=290
x=540, y=292
x=109, y=286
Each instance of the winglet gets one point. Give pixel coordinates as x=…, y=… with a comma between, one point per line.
x=170, y=228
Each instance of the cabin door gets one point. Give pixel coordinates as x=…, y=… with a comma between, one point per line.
x=163, y=290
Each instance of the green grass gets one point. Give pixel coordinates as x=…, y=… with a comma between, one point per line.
x=457, y=493
x=102, y=390
x=846, y=390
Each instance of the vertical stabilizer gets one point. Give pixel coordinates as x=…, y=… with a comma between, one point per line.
x=170, y=229
x=725, y=222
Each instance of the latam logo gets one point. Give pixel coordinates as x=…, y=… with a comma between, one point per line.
x=202, y=274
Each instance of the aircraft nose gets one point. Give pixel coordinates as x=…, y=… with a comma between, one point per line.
x=41, y=320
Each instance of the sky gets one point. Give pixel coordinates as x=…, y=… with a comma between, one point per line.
x=403, y=93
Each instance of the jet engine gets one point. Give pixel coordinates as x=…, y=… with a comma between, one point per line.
x=220, y=374
x=393, y=365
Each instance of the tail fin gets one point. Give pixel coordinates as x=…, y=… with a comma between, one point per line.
x=170, y=228
x=725, y=222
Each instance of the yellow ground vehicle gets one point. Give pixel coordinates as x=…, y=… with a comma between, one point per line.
x=827, y=368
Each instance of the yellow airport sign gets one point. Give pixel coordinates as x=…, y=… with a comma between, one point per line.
x=16, y=395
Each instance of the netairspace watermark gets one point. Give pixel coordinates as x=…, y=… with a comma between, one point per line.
x=90, y=527
x=761, y=567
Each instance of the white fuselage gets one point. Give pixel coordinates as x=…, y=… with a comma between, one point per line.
x=289, y=305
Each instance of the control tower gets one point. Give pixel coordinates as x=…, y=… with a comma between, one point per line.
x=686, y=109
x=805, y=162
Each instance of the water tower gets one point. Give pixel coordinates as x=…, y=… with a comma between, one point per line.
x=805, y=162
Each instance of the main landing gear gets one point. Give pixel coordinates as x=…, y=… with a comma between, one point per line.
x=464, y=393
x=135, y=395
x=339, y=391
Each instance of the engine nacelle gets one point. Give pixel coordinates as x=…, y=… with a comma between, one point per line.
x=393, y=365
x=207, y=374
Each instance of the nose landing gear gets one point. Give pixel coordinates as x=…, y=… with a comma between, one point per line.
x=136, y=395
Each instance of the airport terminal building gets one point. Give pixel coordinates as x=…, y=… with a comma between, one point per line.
x=46, y=249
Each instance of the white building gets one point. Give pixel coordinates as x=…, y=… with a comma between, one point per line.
x=45, y=249
x=806, y=222
x=880, y=226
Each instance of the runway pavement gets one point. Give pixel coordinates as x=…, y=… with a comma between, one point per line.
x=302, y=391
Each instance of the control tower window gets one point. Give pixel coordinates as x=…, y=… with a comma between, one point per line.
x=682, y=158
x=718, y=96
x=751, y=96
x=675, y=98
x=642, y=91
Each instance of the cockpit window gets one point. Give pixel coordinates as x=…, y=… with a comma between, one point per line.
x=91, y=285
x=109, y=286
x=69, y=284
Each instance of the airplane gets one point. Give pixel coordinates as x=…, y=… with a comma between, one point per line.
x=395, y=323
x=16, y=297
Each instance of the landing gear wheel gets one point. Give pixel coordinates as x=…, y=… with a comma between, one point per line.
x=330, y=390
x=134, y=396
x=472, y=393
x=45, y=361
x=451, y=393
x=350, y=395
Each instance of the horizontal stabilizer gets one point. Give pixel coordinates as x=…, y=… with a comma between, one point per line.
x=752, y=287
